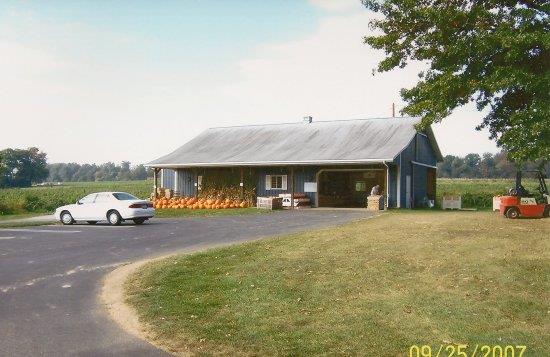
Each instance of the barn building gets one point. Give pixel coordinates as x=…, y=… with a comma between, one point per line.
x=333, y=163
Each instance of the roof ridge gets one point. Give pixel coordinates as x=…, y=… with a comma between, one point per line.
x=318, y=121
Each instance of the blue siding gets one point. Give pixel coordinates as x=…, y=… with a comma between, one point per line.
x=167, y=176
x=392, y=200
x=186, y=182
x=425, y=153
x=419, y=150
x=301, y=175
x=404, y=161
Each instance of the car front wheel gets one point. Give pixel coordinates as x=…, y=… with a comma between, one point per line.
x=66, y=218
x=114, y=218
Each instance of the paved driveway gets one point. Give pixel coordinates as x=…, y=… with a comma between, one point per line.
x=50, y=276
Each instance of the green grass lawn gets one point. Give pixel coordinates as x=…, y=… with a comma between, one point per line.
x=373, y=287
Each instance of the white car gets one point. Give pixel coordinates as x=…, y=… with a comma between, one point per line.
x=114, y=207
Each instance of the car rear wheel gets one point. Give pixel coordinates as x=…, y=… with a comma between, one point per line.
x=114, y=218
x=139, y=220
x=66, y=218
x=92, y=222
x=512, y=213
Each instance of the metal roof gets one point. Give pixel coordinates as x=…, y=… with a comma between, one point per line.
x=303, y=143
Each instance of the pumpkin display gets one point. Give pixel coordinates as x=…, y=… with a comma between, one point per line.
x=213, y=199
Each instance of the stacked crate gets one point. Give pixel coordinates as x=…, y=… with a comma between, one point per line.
x=270, y=203
x=375, y=203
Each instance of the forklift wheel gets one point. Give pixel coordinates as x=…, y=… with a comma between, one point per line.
x=512, y=213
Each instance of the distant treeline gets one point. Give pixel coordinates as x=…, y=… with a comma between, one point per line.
x=72, y=172
x=25, y=167
x=483, y=166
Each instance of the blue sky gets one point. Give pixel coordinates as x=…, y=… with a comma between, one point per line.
x=86, y=80
x=170, y=34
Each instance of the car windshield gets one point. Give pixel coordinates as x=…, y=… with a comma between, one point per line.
x=122, y=196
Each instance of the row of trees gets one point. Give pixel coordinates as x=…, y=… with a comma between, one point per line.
x=72, y=172
x=483, y=166
x=24, y=167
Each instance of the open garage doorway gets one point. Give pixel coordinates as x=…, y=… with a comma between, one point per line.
x=348, y=188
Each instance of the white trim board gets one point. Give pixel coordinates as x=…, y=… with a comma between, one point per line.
x=422, y=164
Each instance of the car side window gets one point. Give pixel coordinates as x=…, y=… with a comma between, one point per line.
x=103, y=198
x=88, y=199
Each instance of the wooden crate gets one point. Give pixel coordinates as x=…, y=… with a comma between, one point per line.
x=451, y=202
x=270, y=203
x=375, y=203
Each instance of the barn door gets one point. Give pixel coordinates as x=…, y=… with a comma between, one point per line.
x=430, y=183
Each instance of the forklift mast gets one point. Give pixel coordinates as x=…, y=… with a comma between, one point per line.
x=540, y=176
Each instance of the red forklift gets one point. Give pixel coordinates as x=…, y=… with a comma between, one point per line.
x=521, y=203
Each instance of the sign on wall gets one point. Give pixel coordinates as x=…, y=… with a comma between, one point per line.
x=310, y=186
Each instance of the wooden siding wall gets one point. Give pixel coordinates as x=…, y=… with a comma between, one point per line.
x=186, y=181
x=167, y=178
x=392, y=201
x=301, y=175
x=419, y=150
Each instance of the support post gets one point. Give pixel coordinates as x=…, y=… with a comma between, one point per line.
x=196, y=183
x=155, y=181
x=387, y=200
x=242, y=183
x=291, y=187
x=176, y=183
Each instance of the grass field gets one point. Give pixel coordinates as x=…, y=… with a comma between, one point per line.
x=374, y=287
x=475, y=193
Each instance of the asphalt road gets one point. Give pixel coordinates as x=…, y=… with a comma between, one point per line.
x=50, y=276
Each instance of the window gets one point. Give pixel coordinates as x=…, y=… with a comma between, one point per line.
x=102, y=198
x=275, y=182
x=122, y=196
x=360, y=186
x=88, y=199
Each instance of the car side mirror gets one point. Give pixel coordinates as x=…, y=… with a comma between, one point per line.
x=78, y=202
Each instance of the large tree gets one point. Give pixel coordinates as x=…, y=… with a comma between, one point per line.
x=21, y=168
x=495, y=53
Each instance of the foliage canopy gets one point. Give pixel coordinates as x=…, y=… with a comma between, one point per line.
x=495, y=53
x=20, y=168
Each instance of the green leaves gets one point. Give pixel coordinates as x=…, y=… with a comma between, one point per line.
x=496, y=53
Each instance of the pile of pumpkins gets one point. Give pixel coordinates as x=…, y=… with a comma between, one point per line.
x=197, y=203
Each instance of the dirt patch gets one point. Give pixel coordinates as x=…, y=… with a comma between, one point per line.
x=112, y=297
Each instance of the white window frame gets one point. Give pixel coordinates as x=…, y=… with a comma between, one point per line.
x=268, y=186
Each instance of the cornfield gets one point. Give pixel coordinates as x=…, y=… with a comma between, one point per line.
x=47, y=199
